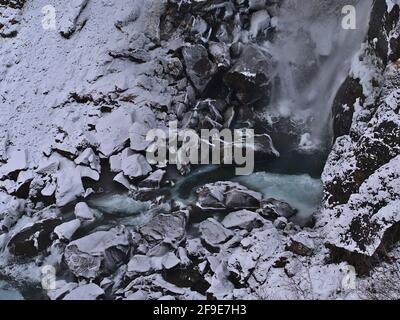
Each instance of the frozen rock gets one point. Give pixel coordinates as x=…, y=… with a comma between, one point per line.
x=35, y=236
x=122, y=180
x=169, y=228
x=99, y=253
x=137, y=133
x=198, y=66
x=170, y=260
x=17, y=161
x=112, y=131
x=89, y=291
x=213, y=233
x=135, y=166
x=69, y=185
x=83, y=212
x=61, y=290
x=243, y=219
x=280, y=223
x=301, y=244
x=273, y=208
x=11, y=213
x=227, y=196
x=153, y=181
x=49, y=166
x=66, y=230
x=89, y=158
x=139, y=264
x=249, y=77
x=255, y=255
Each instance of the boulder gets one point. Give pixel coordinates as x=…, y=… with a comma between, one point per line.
x=249, y=78
x=99, y=253
x=243, y=219
x=89, y=291
x=168, y=228
x=273, y=208
x=213, y=233
x=301, y=244
x=153, y=181
x=83, y=212
x=66, y=230
x=227, y=196
x=36, y=235
x=135, y=166
x=199, y=68
x=61, y=290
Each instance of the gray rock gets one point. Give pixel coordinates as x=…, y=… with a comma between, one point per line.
x=99, y=253
x=66, y=230
x=301, y=244
x=83, y=212
x=243, y=219
x=199, y=68
x=273, y=208
x=89, y=291
x=227, y=196
x=169, y=228
x=213, y=233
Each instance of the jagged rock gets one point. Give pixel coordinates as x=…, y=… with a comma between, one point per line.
x=213, y=233
x=227, y=196
x=301, y=244
x=135, y=166
x=243, y=219
x=69, y=184
x=198, y=66
x=17, y=161
x=139, y=264
x=66, y=230
x=255, y=255
x=99, y=253
x=273, y=208
x=89, y=158
x=13, y=210
x=61, y=290
x=364, y=224
x=280, y=223
x=249, y=77
x=153, y=181
x=168, y=228
x=89, y=291
x=35, y=236
x=260, y=21
x=122, y=180
x=83, y=212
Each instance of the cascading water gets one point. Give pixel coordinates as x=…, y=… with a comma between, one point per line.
x=313, y=53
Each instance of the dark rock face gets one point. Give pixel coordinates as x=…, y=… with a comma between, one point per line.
x=273, y=208
x=199, y=67
x=360, y=177
x=249, y=77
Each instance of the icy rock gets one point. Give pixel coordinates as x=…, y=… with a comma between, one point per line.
x=135, y=166
x=301, y=244
x=13, y=210
x=139, y=264
x=61, y=290
x=198, y=66
x=213, y=233
x=255, y=255
x=153, y=181
x=249, y=77
x=17, y=161
x=89, y=291
x=36, y=236
x=137, y=133
x=227, y=196
x=364, y=223
x=280, y=223
x=122, y=180
x=83, y=212
x=66, y=230
x=49, y=166
x=112, y=131
x=168, y=228
x=273, y=208
x=243, y=219
x=195, y=248
x=99, y=253
x=170, y=260
x=220, y=52
x=116, y=163
x=49, y=189
x=69, y=185
x=89, y=158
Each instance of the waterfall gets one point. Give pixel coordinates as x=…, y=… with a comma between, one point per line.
x=313, y=55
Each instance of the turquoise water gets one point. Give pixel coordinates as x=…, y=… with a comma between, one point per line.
x=8, y=292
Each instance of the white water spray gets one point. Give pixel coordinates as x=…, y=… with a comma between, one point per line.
x=313, y=53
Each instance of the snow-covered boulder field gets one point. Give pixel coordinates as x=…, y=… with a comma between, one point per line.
x=81, y=84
